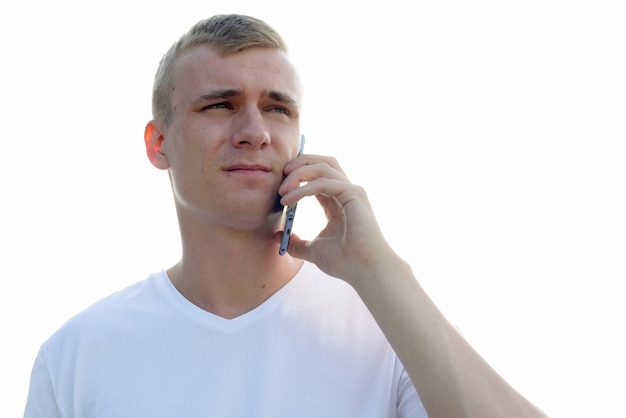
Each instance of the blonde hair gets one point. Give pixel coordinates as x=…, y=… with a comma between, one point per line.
x=226, y=34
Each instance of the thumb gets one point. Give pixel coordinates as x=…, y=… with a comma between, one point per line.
x=299, y=248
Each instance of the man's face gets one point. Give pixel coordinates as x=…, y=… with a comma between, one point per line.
x=235, y=125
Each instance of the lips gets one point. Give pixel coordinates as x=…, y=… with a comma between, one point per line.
x=247, y=167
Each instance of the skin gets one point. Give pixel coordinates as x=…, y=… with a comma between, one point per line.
x=235, y=127
x=227, y=156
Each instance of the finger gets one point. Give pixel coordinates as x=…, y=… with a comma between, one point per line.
x=312, y=159
x=309, y=172
x=330, y=205
x=339, y=189
x=299, y=248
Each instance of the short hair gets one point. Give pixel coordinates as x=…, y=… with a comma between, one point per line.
x=226, y=34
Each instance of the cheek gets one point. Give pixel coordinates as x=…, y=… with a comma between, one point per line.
x=194, y=152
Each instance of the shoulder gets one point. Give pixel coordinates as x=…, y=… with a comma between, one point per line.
x=319, y=286
x=109, y=312
x=318, y=296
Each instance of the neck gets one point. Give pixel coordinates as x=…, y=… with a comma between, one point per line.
x=231, y=273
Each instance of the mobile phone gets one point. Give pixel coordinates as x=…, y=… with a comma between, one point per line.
x=290, y=213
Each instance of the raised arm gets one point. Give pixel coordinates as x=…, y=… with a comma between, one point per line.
x=450, y=376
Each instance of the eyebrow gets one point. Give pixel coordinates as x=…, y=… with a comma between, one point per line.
x=281, y=97
x=228, y=93
x=218, y=94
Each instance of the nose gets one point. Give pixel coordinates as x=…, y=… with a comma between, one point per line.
x=251, y=130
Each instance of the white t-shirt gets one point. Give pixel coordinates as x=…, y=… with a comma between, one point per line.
x=311, y=350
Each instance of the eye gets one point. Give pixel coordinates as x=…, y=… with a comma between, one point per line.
x=280, y=109
x=220, y=105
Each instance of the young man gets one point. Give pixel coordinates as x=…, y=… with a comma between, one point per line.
x=338, y=327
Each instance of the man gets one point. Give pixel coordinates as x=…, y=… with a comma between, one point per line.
x=338, y=327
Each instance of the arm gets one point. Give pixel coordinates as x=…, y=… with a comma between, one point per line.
x=451, y=378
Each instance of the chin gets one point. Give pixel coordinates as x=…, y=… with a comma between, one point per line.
x=253, y=215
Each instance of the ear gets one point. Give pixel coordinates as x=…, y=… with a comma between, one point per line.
x=153, y=137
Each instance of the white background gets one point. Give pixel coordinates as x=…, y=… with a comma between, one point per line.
x=490, y=136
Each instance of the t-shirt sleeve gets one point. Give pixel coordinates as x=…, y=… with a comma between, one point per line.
x=409, y=403
x=41, y=402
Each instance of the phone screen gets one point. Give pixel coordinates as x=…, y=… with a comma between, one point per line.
x=290, y=213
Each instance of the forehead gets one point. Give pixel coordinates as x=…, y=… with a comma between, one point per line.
x=254, y=71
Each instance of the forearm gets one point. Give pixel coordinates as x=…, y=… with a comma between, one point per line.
x=451, y=378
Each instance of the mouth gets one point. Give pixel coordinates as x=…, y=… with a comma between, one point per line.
x=250, y=169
